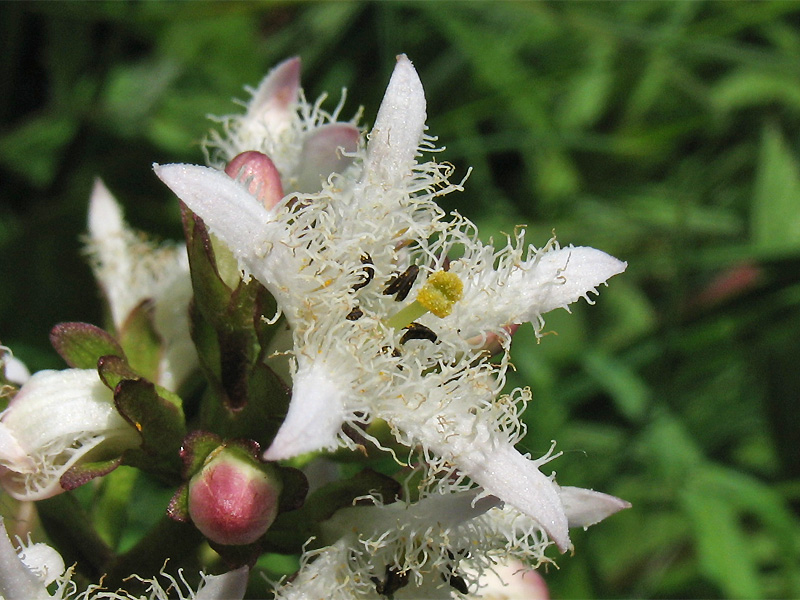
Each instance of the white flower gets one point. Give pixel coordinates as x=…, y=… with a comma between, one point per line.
x=305, y=142
x=26, y=573
x=390, y=303
x=432, y=548
x=132, y=270
x=56, y=419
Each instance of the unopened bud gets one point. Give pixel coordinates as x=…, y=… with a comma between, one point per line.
x=233, y=499
x=259, y=174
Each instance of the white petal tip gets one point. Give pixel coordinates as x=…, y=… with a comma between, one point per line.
x=399, y=126
x=585, y=508
x=315, y=417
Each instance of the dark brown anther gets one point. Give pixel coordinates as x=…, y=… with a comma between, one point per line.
x=369, y=272
x=401, y=284
x=416, y=331
x=394, y=581
x=391, y=351
x=457, y=582
x=355, y=314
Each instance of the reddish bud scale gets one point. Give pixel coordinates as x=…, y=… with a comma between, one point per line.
x=233, y=501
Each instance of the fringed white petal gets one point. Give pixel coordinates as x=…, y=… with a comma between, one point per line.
x=225, y=206
x=277, y=94
x=323, y=574
x=316, y=413
x=11, y=453
x=228, y=586
x=396, y=136
x=328, y=149
x=43, y=561
x=239, y=220
x=518, y=481
x=110, y=250
x=17, y=581
x=557, y=278
x=15, y=370
x=587, y=507
x=131, y=269
x=56, y=419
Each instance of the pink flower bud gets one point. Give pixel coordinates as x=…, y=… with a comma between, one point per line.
x=233, y=499
x=257, y=171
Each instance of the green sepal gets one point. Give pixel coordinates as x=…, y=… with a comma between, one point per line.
x=81, y=344
x=231, y=333
x=195, y=449
x=292, y=529
x=141, y=343
x=259, y=419
x=82, y=473
x=160, y=424
x=178, y=507
x=113, y=369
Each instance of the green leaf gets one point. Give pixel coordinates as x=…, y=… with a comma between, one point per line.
x=34, y=149
x=776, y=195
x=629, y=392
x=724, y=552
x=81, y=345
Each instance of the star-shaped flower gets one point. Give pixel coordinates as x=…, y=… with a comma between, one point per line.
x=391, y=302
x=55, y=420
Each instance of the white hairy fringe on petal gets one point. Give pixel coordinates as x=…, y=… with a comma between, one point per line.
x=328, y=257
x=426, y=542
x=585, y=508
x=229, y=586
x=43, y=561
x=328, y=389
x=455, y=416
x=24, y=575
x=501, y=288
x=131, y=269
x=56, y=419
x=294, y=133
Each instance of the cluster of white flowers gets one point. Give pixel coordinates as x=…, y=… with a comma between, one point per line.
x=391, y=304
x=395, y=310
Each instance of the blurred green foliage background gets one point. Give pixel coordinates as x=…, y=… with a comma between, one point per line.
x=666, y=133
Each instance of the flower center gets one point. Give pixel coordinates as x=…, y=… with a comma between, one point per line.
x=440, y=292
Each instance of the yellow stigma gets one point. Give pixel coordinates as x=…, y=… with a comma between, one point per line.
x=440, y=292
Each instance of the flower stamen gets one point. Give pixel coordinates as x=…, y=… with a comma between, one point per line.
x=440, y=292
